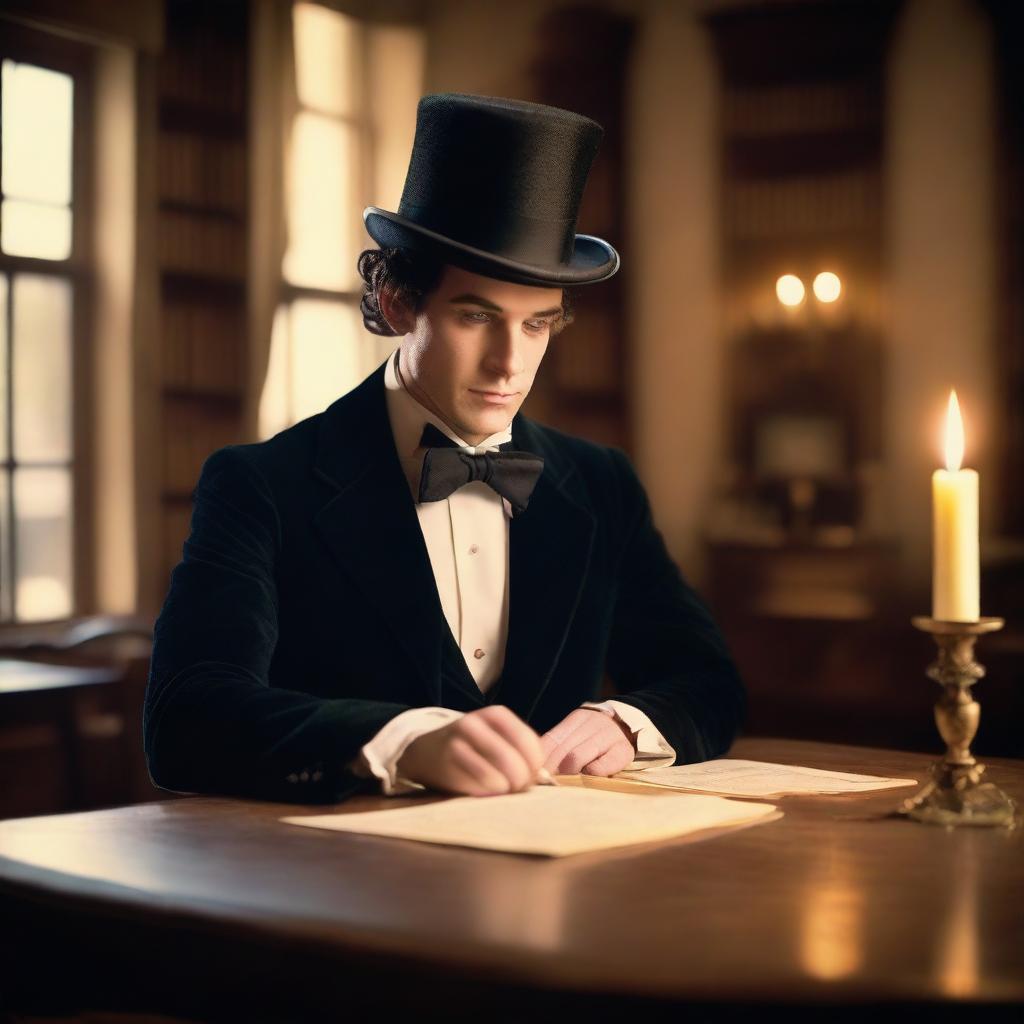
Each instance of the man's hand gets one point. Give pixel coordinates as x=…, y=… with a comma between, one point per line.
x=483, y=753
x=589, y=741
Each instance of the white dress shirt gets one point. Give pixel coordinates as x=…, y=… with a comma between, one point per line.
x=467, y=538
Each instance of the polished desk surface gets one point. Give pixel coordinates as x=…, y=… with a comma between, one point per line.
x=18, y=676
x=836, y=902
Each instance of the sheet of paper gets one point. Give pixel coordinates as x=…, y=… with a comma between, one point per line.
x=733, y=777
x=549, y=820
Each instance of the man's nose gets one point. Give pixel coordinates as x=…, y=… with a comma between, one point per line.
x=506, y=352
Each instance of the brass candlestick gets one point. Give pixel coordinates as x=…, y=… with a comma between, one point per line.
x=956, y=795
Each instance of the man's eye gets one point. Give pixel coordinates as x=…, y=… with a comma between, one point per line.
x=536, y=325
x=475, y=318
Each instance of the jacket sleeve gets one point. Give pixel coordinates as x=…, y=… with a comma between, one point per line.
x=666, y=656
x=212, y=723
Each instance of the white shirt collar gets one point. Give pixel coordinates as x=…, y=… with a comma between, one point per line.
x=408, y=418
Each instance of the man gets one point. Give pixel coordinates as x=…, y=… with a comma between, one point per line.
x=419, y=587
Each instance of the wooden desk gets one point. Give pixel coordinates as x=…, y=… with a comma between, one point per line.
x=211, y=909
x=43, y=761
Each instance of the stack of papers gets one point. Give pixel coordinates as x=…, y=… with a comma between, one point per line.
x=758, y=779
x=549, y=820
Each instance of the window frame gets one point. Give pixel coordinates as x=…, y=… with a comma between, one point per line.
x=60, y=53
x=362, y=124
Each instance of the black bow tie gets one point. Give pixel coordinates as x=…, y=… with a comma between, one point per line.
x=447, y=467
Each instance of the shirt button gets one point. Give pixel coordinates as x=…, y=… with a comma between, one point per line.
x=473, y=549
x=478, y=653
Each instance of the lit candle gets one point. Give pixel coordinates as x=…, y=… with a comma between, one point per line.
x=955, y=529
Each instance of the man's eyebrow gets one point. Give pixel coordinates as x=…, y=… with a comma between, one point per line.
x=478, y=300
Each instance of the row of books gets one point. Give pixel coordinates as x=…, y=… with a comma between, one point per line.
x=803, y=108
x=202, y=345
x=190, y=435
x=193, y=243
x=204, y=68
x=850, y=201
x=585, y=356
x=202, y=171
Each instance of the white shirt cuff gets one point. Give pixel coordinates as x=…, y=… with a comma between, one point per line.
x=652, y=749
x=379, y=757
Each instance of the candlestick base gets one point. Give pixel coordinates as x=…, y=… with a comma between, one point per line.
x=956, y=795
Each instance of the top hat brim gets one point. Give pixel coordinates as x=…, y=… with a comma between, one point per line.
x=593, y=259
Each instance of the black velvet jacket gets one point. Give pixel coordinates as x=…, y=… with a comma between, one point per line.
x=304, y=614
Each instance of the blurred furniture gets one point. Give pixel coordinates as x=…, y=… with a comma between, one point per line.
x=823, y=648
x=71, y=699
x=214, y=910
x=801, y=129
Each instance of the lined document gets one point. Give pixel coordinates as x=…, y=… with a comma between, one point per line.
x=552, y=821
x=731, y=777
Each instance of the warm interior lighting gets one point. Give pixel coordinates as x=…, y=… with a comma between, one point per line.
x=327, y=65
x=954, y=434
x=36, y=166
x=827, y=286
x=323, y=210
x=790, y=290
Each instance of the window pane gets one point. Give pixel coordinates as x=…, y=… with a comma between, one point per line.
x=6, y=585
x=324, y=217
x=36, y=133
x=327, y=53
x=327, y=356
x=274, y=402
x=42, y=367
x=33, y=229
x=42, y=511
x=4, y=452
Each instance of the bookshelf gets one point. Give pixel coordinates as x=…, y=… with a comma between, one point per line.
x=801, y=143
x=581, y=66
x=201, y=240
x=801, y=574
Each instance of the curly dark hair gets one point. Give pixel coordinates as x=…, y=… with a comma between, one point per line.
x=413, y=276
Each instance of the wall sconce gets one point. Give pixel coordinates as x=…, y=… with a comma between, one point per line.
x=827, y=286
x=790, y=290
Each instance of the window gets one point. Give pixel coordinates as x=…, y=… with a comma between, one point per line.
x=344, y=152
x=41, y=241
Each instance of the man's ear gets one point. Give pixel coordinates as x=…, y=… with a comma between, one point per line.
x=397, y=314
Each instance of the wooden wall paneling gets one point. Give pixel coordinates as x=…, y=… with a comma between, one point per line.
x=580, y=65
x=202, y=239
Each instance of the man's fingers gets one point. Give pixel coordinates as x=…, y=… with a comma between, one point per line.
x=475, y=775
x=557, y=734
x=588, y=727
x=610, y=762
x=508, y=724
x=498, y=751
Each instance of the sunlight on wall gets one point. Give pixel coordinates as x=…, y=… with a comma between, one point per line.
x=357, y=86
x=36, y=171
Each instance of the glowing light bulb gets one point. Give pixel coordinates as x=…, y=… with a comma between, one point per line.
x=790, y=290
x=827, y=286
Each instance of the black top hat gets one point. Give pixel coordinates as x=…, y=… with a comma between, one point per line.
x=494, y=186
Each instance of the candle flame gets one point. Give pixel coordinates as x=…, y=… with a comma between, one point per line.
x=954, y=434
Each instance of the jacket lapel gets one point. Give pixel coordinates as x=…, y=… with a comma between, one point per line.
x=549, y=552
x=372, y=529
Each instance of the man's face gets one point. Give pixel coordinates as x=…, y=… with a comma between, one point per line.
x=475, y=348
